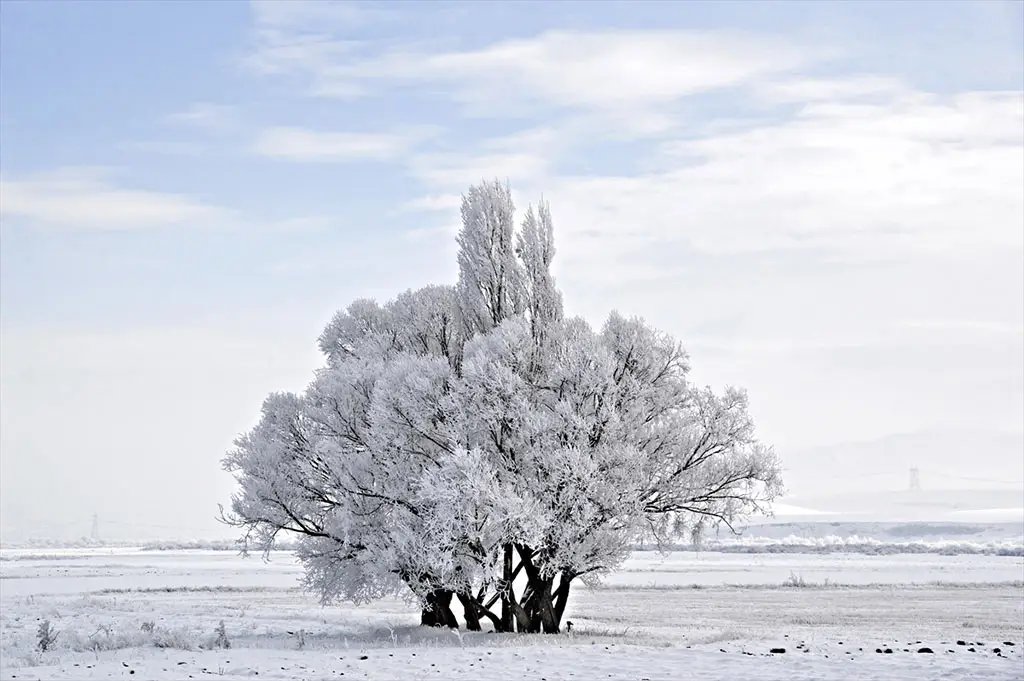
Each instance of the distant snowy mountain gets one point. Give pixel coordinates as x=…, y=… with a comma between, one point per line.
x=954, y=505
x=945, y=460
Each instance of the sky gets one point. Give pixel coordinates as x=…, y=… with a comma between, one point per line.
x=824, y=202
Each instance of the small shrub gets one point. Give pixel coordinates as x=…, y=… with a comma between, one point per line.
x=106, y=638
x=222, y=640
x=795, y=580
x=46, y=635
x=148, y=627
x=178, y=639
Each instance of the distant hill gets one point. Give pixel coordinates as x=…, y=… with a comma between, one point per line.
x=946, y=459
x=888, y=531
x=962, y=505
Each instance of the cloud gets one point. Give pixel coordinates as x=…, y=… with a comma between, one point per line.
x=304, y=36
x=81, y=198
x=455, y=170
x=296, y=225
x=304, y=145
x=609, y=69
x=803, y=89
x=523, y=157
x=164, y=148
x=432, y=202
x=912, y=173
x=849, y=163
x=305, y=14
x=205, y=115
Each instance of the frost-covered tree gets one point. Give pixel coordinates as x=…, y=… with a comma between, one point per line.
x=491, y=279
x=535, y=246
x=473, y=443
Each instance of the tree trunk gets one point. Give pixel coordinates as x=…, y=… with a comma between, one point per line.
x=495, y=620
x=507, y=577
x=562, y=597
x=526, y=615
x=545, y=608
x=449, y=616
x=537, y=597
x=469, y=608
x=438, y=611
x=542, y=606
x=522, y=618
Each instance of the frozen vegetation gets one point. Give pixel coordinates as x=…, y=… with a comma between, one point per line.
x=476, y=445
x=947, y=538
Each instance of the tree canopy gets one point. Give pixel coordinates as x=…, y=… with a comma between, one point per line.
x=474, y=442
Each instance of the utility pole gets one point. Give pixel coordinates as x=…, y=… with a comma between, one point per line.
x=95, y=527
x=915, y=479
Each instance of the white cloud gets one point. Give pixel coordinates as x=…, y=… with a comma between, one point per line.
x=445, y=202
x=914, y=173
x=522, y=157
x=305, y=36
x=81, y=198
x=612, y=70
x=165, y=148
x=305, y=224
x=608, y=69
x=311, y=13
x=803, y=89
x=458, y=171
x=205, y=115
x=301, y=144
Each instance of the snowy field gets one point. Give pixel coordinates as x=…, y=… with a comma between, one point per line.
x=128, y=613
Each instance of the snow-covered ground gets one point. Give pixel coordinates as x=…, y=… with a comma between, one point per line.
x=681, y=569
x=128, y=613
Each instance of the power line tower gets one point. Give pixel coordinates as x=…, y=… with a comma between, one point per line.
x=915, y=479
x=95, y=527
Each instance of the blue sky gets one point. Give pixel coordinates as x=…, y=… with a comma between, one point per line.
x=822, y=200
